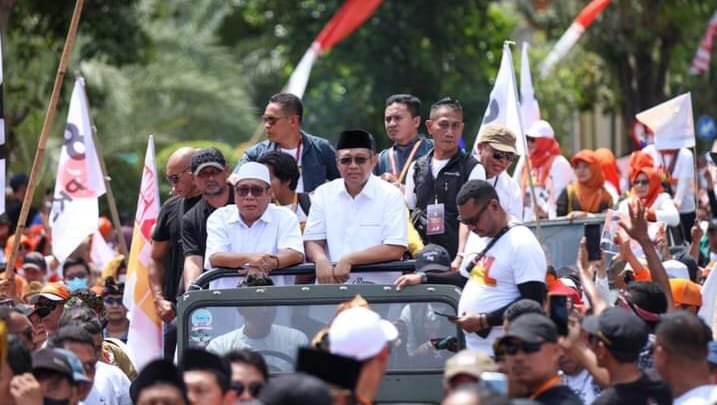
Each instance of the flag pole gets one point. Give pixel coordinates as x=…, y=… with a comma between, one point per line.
x=110, y=195
x=42, y=142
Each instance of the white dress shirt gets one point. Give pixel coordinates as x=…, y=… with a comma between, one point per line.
x=509, y=194
x=376, y=216
x=277, y=229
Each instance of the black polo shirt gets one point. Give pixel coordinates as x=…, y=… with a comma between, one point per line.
x=194, y=226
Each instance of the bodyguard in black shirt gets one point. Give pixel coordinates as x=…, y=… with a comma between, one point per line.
x=210, y=176
x=617, y=336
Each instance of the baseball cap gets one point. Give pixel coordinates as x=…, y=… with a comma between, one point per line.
x=295, y=389
x=676, y=269
x=712, y=353
x=469, y=362
x=620, y=330
x=34, y=260
x=252, y=170
x=53, y=292
x=532, y=328
x=360, y=333
x=53, y=360
x=540, y=129
x=207, y=157
x=78, y=372
x=685, y=292
x=159, y=371
x=498, y=137
x=433, y=257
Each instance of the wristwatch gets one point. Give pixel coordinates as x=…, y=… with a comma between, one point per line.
x=424, y=278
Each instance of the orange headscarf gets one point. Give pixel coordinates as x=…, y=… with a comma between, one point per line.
x=540, y=160
x=639, y=160
x=608, y=163
x=592, y=192
x=654, y=188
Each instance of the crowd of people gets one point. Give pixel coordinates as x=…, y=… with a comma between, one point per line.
x=633, y=325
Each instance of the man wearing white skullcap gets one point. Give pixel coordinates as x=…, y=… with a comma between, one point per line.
x=252, y=233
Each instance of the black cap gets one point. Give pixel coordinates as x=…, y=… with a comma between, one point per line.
x=532, y=328
x=49, y=359
x=337, y=370
x=207, y=157
x=433, y=257
x=159, y=371
x=36, y=260
x=295, y=389
x=356, y=138
x=620, y=330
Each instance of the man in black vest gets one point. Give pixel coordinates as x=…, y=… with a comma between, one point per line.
x=434, y=180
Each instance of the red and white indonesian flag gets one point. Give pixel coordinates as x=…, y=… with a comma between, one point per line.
x=144, y=339
x=350, y=16
x=671, y=122
x=529, y=108
x=503, y=106
x=75, y=210
x=701, y=62
x=570, y=37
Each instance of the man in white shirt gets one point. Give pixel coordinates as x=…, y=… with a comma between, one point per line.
x=253, y=234
x=358, y=219
x=681, y=358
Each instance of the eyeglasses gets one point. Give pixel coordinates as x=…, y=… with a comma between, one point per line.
x=268, y=119
x=498, y=155
x=254, y=388
x=641, y=182
x=174, y=179
x=512, y=347
x=256, y=191
x=74, y=276
x=475, y=219
x=359, y=160
x=113, y=300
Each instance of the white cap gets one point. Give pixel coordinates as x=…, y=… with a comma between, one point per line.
x=360, y=333
x=252, y=170
x=540, y=129
x=676, y=269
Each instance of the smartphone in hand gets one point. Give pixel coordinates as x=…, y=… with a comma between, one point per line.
x=559, y=311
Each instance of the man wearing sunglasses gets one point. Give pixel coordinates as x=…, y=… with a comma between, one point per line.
x=433, y=180
x=282, y=124
x=253, y=234
x=531, y=354
x=358, y=219
x=249, y=373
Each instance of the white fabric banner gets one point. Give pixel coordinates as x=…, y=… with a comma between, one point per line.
x=671, y=122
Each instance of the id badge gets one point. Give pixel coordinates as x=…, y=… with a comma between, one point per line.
x=435, y=224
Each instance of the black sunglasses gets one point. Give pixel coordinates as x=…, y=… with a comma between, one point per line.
x=475, y=219
x=498, y=155
x=512, y=347
x=113, y=300
x=358, y=159
x=174, y=179
x=254, y=388
x=256, y=191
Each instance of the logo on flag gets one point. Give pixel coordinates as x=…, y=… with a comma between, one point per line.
x=144, y=338
x=75, y=211
x=503, y=106
x=671, y=122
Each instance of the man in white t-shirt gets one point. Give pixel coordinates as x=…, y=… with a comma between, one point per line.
x=507, y=265
x=357, y=219
x=681, y=358
x=678, y=170
x=253, y=234
x=433, y=180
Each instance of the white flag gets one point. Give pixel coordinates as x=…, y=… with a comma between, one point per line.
x=75, y=211
x=529, y=108
x=100, y=252
x=671, y=122
x=503, y=107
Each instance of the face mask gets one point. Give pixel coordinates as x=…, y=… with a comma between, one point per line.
x=48, y=401
x=76, y=284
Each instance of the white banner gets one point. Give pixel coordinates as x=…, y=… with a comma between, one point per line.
x=671, y=122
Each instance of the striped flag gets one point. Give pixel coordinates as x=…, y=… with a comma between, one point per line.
x=2, y=135
x=347, y=19
x=78, y=184
x=701, y=62
x=572, y=34
x=144, y=339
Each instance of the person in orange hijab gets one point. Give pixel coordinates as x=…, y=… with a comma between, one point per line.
x=647, y=188
x=608, y=163
x=587, y=194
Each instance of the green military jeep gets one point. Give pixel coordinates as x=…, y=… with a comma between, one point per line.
x=288, y=317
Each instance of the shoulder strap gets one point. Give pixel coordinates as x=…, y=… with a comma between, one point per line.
x=490, y=244
x=304, y=202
